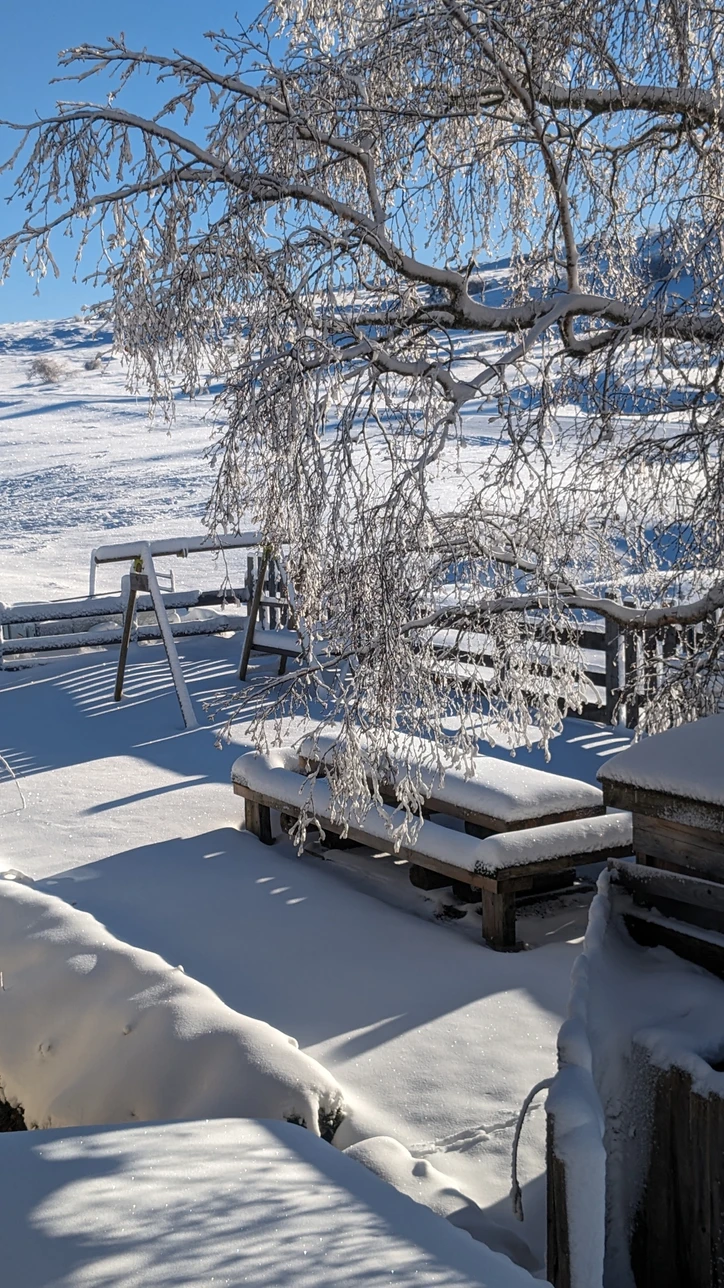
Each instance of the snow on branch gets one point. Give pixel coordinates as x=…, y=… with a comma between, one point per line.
x=459, y=269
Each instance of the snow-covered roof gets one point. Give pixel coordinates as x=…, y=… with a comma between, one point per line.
x=687, y=761
x=230, y=1201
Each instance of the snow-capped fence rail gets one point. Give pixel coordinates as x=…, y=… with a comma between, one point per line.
x=623, y=668
x=93, y=1030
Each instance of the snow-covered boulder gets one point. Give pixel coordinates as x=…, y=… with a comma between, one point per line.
x=95, y=1031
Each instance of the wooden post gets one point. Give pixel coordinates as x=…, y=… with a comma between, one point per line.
x=164, y=626
x=499, y=919
x=678, y=1231
x=273, y=612
x=253, y=615
x=262, y=567
x=424, y=879
x=138, y=581
x=558, y=1266
x=631, y=705
x=612, y=638
x=257, y=819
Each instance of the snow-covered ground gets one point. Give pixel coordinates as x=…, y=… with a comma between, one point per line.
x=434, y=1039
x=80, y=462
x=269, y=1205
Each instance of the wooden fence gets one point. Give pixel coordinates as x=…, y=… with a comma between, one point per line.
x=625, y=667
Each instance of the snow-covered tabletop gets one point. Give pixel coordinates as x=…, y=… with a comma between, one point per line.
x=687, y=761
x=499, y=788
x=226, y=1202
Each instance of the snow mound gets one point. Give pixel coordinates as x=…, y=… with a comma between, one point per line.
x=95, y=1031
x=417, y=1178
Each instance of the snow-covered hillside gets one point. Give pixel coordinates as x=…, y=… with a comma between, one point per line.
x=81, y=461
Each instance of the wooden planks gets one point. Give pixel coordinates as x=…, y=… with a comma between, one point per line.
x=686, y=898
x=253, y=614
x=651, y=931
x=257, y=818
x=678, y=1231
x=663, y=805
x=499, y=920
x=680, y=846
x=558, y=1265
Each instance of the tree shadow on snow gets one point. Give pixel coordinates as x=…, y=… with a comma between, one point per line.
x=268, y=1203
x=63, y=713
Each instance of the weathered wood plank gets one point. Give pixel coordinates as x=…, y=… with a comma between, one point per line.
x=129, y=619
x=519, y=877
x=678, y=1230
x=424, y=879
x=690, y=849
x=649, y=932
x=253, y=615
x=701, y=903
x=558, y=1263
x=257, y=818
x=499, y=920
x=679, y=809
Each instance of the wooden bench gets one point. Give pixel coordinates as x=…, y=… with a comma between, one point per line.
x=500, y=865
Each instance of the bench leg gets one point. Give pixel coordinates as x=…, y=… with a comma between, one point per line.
x=424, y=879
x=499, y=919
x=258, y=820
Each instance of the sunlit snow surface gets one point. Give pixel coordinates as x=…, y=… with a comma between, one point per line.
x=434, y=1039
x=80, y=461
x=223, y=1204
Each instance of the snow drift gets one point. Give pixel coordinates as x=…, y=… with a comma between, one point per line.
x=95, y=1031
x=420, y=1180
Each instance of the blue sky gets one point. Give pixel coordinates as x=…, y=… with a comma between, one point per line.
x=32, y=35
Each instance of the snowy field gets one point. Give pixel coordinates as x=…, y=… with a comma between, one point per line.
x=434, y=1038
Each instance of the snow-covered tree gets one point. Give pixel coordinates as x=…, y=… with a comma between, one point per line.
x=459, y=264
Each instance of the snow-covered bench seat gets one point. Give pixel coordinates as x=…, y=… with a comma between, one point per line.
x=500, y=866
x=498, y=796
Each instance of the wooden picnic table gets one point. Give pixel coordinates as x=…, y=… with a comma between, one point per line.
x=500, y=865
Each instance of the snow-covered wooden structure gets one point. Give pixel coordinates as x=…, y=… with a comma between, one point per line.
x=673, y=784
x=636, y=1112
x=528, y=824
